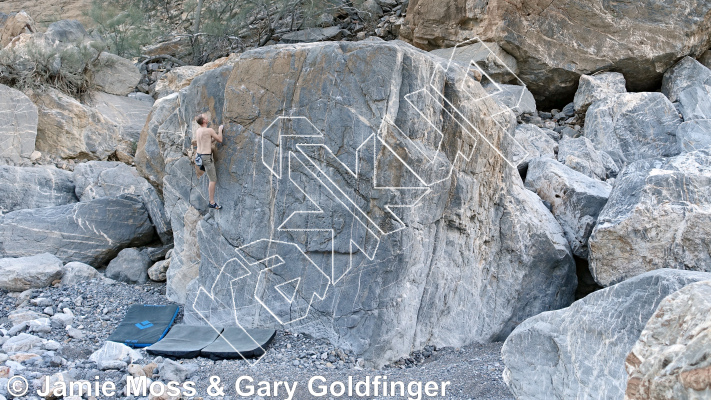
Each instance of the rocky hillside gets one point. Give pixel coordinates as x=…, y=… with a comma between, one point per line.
x=512, y=177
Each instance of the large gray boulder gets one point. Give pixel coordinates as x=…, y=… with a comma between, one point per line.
x=66, y=31
x=77, y=273
x=30, y=187
x=555, y=43
x=670, y=359
x=695, y=103
x=576, y=199
x=597, y=87
x=633, y=126
x=694, y=135
x=518, y=98
x=90, y=232
x=580, y=155
x=97, y=179
x=658, y=216
x=467, y=254
x=130, y=266
x=18, y=126
x=534, y=143
x=20, y=274
x=117, y=75
x=128, y=113
x=70, y=129
x=683, y=75
x=579, y=352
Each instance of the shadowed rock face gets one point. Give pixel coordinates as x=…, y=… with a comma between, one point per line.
x=555, y=42
x=579, y=352
x=355, y=218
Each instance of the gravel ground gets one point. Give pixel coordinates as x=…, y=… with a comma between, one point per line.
x=474, y=372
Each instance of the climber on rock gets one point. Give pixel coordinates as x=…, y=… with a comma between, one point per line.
x=204, y=137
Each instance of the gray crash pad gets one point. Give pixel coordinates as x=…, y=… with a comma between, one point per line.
x=185, y=341
x=238, y=343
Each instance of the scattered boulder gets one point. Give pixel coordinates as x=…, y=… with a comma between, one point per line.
x=580, y=155
x=14, y=25
x=24, y=342
x=535, y=142
x=19, y=274
x=576, y=199
x=18, y=126
x=671, y=358
x=694, y=135
x=597, y=87
x=30, y=187
x=69, y=129
x=683, y=75
x=658, y=216
x=489, y=56
x=158, y=270
x=66, y=31
x=76, y=273
x=555, y=43
x=97, y=179
x=695, y=103
x=130, y=266
x=114, y=355
x=170, y=370
x=117, y=75
x=579, y=351
x=19, y=316
x=633, y=126
x=91, y=232
x=515, y=97
x=129, y=114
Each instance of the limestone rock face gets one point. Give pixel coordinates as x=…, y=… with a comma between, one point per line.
x=117, y=76
x=70, y=129
x=129, y=114
x=670, y=359
x=695, y=103
x=476, y=239
x=19, y=274
x=557, y=42
x=518, y=98
x=180, y=77
x=535, y=142
x=30, y=187
x=580, y=155
x=593, y=88
x=576, y=200
x=90, y=232
x=658, y=216
x=633, y=126
x=14, y=25
x=490, y=57
x=18, y=126
x=97, y=179
x=685, y=74
x=579, y=352
x=694, y=135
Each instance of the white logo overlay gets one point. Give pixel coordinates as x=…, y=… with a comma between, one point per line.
x=320, y=174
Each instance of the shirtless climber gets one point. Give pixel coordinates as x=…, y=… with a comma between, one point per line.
x=204, y=137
